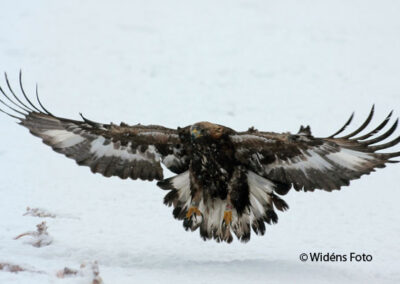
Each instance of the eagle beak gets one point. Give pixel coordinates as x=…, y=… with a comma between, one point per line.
x=195, y=133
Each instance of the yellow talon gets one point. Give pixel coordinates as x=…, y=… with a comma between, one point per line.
x=191, y=211
x=227, y=217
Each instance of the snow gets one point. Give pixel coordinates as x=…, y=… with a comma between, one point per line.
x=274, y=65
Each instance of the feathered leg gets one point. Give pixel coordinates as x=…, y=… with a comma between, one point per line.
x=227, y=220
x=193, y=216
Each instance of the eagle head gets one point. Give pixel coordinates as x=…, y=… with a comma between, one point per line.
x=206, y=129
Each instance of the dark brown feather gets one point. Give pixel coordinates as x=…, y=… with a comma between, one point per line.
x=308, y=163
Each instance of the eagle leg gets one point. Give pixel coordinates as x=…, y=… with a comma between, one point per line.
x=193, y=218
x=226, y=223
x=193, y=210
x=227, y=220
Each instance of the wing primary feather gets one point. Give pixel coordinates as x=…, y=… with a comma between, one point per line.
x=24, y=94
x=14, y=103
x=40, y=103
x=17, y=111
x=386, y=145
x=15, y=96
x=9, y=114
x=362, y=127
x=393, y=155
x=376, y=130
x=383, y=136
x=343, y=127
x=91, y=122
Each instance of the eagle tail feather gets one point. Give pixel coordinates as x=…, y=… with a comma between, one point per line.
x=213, y=222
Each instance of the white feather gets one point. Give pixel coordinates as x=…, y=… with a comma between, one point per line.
x=216, y=215
x=260, y=190
x=123, y=152
x=182, y=184
x=63, y=138
x=241, y=137
x=169, y=160
x=312, y=159
x=349, y=158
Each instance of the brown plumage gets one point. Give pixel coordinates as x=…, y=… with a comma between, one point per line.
x=227, y=181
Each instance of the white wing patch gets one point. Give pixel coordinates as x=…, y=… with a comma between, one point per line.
x=349, y=158
x=102, y=154
x=315, y=159
x=124, y=152
x=63, y=138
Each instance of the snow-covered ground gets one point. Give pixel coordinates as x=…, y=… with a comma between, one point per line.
x=271, y=64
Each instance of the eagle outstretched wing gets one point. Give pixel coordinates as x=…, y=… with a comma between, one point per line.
x=112, y=150
x=226, y=180
x=310, y=163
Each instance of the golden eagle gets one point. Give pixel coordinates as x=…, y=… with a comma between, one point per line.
x=226, y=181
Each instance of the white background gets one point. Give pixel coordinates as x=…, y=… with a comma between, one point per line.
x=269, y=64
